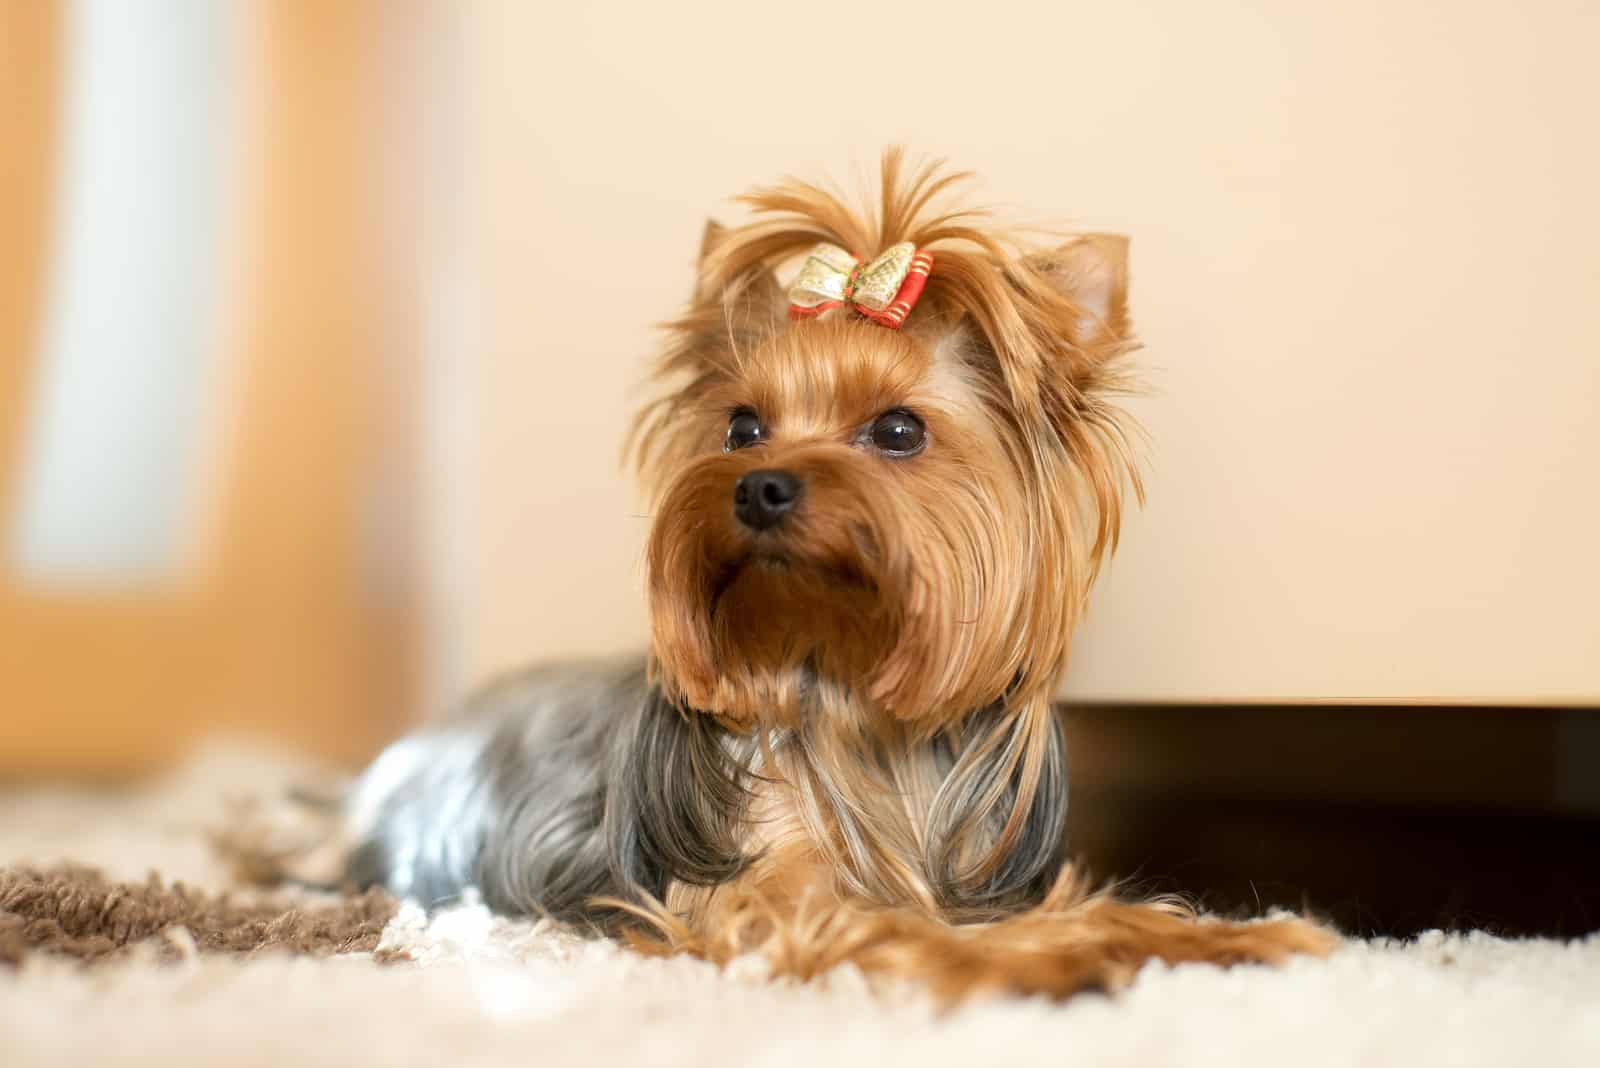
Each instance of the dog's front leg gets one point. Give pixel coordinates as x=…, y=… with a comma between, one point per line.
x=1071, y=942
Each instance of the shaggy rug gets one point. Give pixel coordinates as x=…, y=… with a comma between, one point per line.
x=124, y=940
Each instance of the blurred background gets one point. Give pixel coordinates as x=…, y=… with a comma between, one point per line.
x=320, y=324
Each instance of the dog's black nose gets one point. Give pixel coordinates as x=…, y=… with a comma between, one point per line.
x=762, y=498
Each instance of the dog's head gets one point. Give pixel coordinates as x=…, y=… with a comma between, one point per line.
x=910, y=516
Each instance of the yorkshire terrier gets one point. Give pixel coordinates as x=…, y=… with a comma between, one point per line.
x=880, y=495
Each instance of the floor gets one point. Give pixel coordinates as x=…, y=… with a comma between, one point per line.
x=466, y=988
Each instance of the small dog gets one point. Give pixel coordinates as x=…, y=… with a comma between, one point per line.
x=881, y=493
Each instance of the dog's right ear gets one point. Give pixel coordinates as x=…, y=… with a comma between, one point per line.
x=730, y=270
x=710, y=238
x=737, y=302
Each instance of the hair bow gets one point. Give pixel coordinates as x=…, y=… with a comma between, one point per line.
x=883, y=290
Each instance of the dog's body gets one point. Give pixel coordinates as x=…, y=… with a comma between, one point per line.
x=876, y=519
x=576, y=784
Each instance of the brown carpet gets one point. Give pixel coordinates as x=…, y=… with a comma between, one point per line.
x=77, y=912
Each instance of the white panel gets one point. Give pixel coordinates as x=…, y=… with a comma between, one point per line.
x=126, y=355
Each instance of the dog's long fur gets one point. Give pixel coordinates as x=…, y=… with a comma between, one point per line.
x=841, y=746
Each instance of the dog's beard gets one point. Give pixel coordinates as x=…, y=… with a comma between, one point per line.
x=780, y=613
x=749, y=624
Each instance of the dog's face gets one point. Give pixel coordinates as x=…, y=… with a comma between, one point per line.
x=852, y=517
x=904, y=518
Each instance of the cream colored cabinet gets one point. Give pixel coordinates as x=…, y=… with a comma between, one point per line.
x=1366, y=255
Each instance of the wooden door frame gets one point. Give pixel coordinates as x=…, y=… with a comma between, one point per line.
x=280, y=624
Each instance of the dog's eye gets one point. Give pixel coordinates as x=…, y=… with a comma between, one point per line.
x=744, y=430
x=898, y=432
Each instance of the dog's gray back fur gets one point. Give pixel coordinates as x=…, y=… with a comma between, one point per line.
x=572, y=782
x=556, y=786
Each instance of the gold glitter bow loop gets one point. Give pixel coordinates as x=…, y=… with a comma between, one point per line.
x=883, y=290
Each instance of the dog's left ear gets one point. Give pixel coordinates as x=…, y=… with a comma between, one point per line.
x=1091, y=271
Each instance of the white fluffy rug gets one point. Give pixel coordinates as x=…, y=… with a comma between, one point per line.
x=480, y=990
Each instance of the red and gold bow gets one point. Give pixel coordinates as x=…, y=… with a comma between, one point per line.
x=884, y=290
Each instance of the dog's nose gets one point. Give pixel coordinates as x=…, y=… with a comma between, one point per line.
x=762, y=498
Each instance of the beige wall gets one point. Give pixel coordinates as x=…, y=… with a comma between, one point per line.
x=1365, y=242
